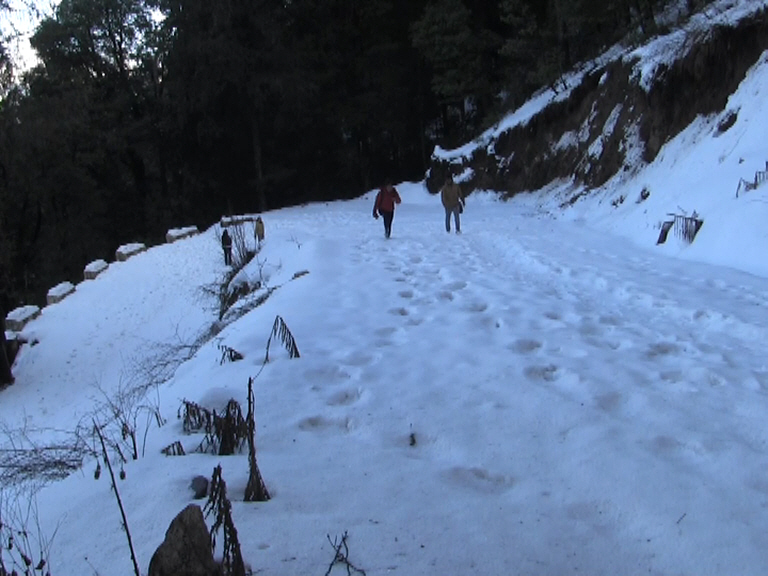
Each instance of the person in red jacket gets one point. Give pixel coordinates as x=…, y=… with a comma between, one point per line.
x=385, y=205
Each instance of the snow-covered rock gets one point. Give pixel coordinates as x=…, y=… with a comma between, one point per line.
x=18, y=318
x=178, y=233
x=127, y=250
x=59, y=292
x=94, y=269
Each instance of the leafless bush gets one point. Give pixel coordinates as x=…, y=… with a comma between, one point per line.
x=134, y=407
x=149, y=371
x=175, y=449
x=127, y=413
x=219, y=505
x=281, y=331
x=195, y=417
x=256, y=489
x=225, y=295
x=241, y=254
x=25, y=548
x=116, y=492
x=225, y=433
x=122, y=413
x=25, y=461
x=229, y=354
x=342, y=555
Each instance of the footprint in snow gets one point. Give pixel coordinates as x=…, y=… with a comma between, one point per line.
x=345, y=397
x=477, y=306
x=454, y=286
x=399, y=312
x=548, y=373
x=479, y=480
x=324, y=424
x=525, y=346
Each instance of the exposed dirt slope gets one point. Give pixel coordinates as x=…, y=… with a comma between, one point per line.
x=610, y=120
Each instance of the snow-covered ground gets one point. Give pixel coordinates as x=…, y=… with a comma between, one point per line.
x=698, y=171
x=547, y=393
x=576, y=402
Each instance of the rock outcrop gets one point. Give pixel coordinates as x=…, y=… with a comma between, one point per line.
x=186, y=550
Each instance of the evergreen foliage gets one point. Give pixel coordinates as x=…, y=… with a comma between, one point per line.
x=143, y=115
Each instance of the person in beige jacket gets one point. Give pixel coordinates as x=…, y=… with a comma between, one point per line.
x=453, y=202
x=258, y=231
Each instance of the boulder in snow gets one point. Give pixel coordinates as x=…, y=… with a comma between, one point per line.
x=186, y=549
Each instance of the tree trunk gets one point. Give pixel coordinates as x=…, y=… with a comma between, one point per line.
x=649, y=17
x=261, y=198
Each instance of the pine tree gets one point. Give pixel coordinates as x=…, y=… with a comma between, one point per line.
x=461, y=58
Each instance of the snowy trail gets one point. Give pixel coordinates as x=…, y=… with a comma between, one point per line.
x=530, y=388
x=557, y=349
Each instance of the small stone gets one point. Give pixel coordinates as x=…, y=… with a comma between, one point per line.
x=199, y=485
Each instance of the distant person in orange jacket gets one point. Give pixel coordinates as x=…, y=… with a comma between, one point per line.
x=385, y=205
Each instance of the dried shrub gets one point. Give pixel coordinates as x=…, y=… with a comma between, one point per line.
x=225, y=433
x=256, y=490
x=219, y=505
x=282, y=332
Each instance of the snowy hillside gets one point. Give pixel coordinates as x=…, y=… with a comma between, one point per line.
x=700, y=170
x=697, y=171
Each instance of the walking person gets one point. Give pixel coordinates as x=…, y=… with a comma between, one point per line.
x=258, y=231
x=6, y=377
x=453, y=202
x=226, y=244
x=385, y=205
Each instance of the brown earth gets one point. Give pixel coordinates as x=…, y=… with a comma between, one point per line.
x=699, y=83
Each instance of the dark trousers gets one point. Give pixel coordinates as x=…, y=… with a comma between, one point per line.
x=456, y=219
x=387, y=217
x=228, y=255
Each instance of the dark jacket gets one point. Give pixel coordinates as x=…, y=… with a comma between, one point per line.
x=386, y=200
x=451, y=196
x=226, y=240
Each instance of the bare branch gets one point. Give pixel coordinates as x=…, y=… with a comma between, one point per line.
x=342, y=557
x=117, y=497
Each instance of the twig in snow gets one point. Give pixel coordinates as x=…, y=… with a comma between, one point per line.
x=117, y=497
x=342, y=557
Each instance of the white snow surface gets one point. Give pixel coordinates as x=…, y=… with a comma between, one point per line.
x=548, y=393
x=577, y=401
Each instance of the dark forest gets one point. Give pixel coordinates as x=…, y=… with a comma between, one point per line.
x=143, y=115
